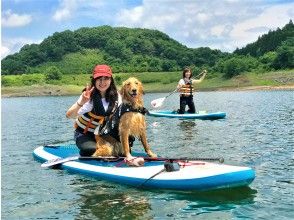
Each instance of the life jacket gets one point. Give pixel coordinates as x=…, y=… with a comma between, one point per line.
x=110, y=127
x=187, y=89
x=89, y=121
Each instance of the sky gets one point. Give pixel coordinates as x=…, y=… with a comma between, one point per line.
x=218, y=24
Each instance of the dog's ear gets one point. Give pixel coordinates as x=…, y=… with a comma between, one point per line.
x=122, y=91
x=141, y=88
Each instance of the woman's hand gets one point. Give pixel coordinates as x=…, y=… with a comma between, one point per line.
x=86, y=95
x=204, y=72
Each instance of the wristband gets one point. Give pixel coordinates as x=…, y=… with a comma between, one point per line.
x=79, y=104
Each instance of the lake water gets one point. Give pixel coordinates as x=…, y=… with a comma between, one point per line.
x=258, y=132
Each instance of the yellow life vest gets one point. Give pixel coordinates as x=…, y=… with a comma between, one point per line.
x=88, y=122
x=186, y=90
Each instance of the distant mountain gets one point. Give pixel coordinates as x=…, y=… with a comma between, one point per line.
x=145, y=50
x=125, y=49
x=268, y=42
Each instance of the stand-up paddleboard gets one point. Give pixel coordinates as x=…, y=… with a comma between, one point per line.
x=155, y=174
x=200, y=115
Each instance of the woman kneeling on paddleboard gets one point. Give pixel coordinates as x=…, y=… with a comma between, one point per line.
x=95, y=103
x=185, y=87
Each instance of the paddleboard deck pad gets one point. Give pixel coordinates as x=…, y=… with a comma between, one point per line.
x=200, y=115
x=189, y=175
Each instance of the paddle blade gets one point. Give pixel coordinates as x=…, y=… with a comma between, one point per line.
x=56, y=161
x=157, y=102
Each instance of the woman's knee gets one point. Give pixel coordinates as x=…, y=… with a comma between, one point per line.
x=86, y=145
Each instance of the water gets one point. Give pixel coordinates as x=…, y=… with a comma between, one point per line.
x=258, y=132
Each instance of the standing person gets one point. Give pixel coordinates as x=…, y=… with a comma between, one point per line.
x=186, y=89
x=95, y=103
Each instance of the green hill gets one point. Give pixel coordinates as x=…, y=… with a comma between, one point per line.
x=268, y=42
x=129, y=50
x=125, y=49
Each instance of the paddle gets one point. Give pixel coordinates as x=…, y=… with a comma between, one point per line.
x=57, y=161
x=158, y=102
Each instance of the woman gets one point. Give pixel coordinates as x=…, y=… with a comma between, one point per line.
x=95, y=103
x=186, y=89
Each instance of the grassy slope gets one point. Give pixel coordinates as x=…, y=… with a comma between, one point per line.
x=153, y=82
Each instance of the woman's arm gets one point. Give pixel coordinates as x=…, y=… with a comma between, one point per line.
x=180, y=84
x=72, y=112
x=201, y=79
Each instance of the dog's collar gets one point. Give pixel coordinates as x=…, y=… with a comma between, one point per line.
x=128, y=108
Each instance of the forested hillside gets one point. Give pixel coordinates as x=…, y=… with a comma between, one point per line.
x=125, y=49
x=143, y=50
x=269, y=42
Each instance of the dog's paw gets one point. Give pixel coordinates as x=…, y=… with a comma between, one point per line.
x=135, y=161
x=151, y=154
x=104, y=150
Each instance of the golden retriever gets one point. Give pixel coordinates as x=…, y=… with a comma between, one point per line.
x=131, y=123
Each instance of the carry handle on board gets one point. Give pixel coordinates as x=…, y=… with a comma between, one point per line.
x=59, y=160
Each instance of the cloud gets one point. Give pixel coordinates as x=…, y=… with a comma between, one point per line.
x=249, y=30
x=66, y=10
x=9, y=19
x=223, y=25
x=13, y=45
x=4, y=51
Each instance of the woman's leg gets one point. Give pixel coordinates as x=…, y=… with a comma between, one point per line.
x=183, y=104
x=191, y=105
x=86, y=143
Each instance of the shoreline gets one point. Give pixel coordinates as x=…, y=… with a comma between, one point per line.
x=258, y=88
x=57, y=91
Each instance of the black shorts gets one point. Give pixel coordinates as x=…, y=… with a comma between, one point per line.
x=85, y=142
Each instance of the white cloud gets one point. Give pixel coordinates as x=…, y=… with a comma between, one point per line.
x=4, y=51
x=66, y=10
x=9, y=19
x=13, y=45
x=133, y=15
x=217, y=30
x=223, y=25
x=271, y=18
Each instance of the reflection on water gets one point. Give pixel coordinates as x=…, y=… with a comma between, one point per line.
x=105, y=200
x=187, y=126
x=110, y=201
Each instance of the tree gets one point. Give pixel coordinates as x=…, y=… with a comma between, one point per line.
x=267, y=60
x=285, y=55
x=234, y=65
x=53, y=73
x=13, y=66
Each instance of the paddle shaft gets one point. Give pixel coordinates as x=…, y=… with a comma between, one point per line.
x=221, y=160
x=171, y=93
x=57, y=161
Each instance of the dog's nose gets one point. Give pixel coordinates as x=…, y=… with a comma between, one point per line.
x=134, y=90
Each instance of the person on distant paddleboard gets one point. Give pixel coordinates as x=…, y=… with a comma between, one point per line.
x=185, y=88
x=95, y=103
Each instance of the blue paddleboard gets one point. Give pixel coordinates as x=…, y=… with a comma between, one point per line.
x=192, y=175
x=200, y=115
